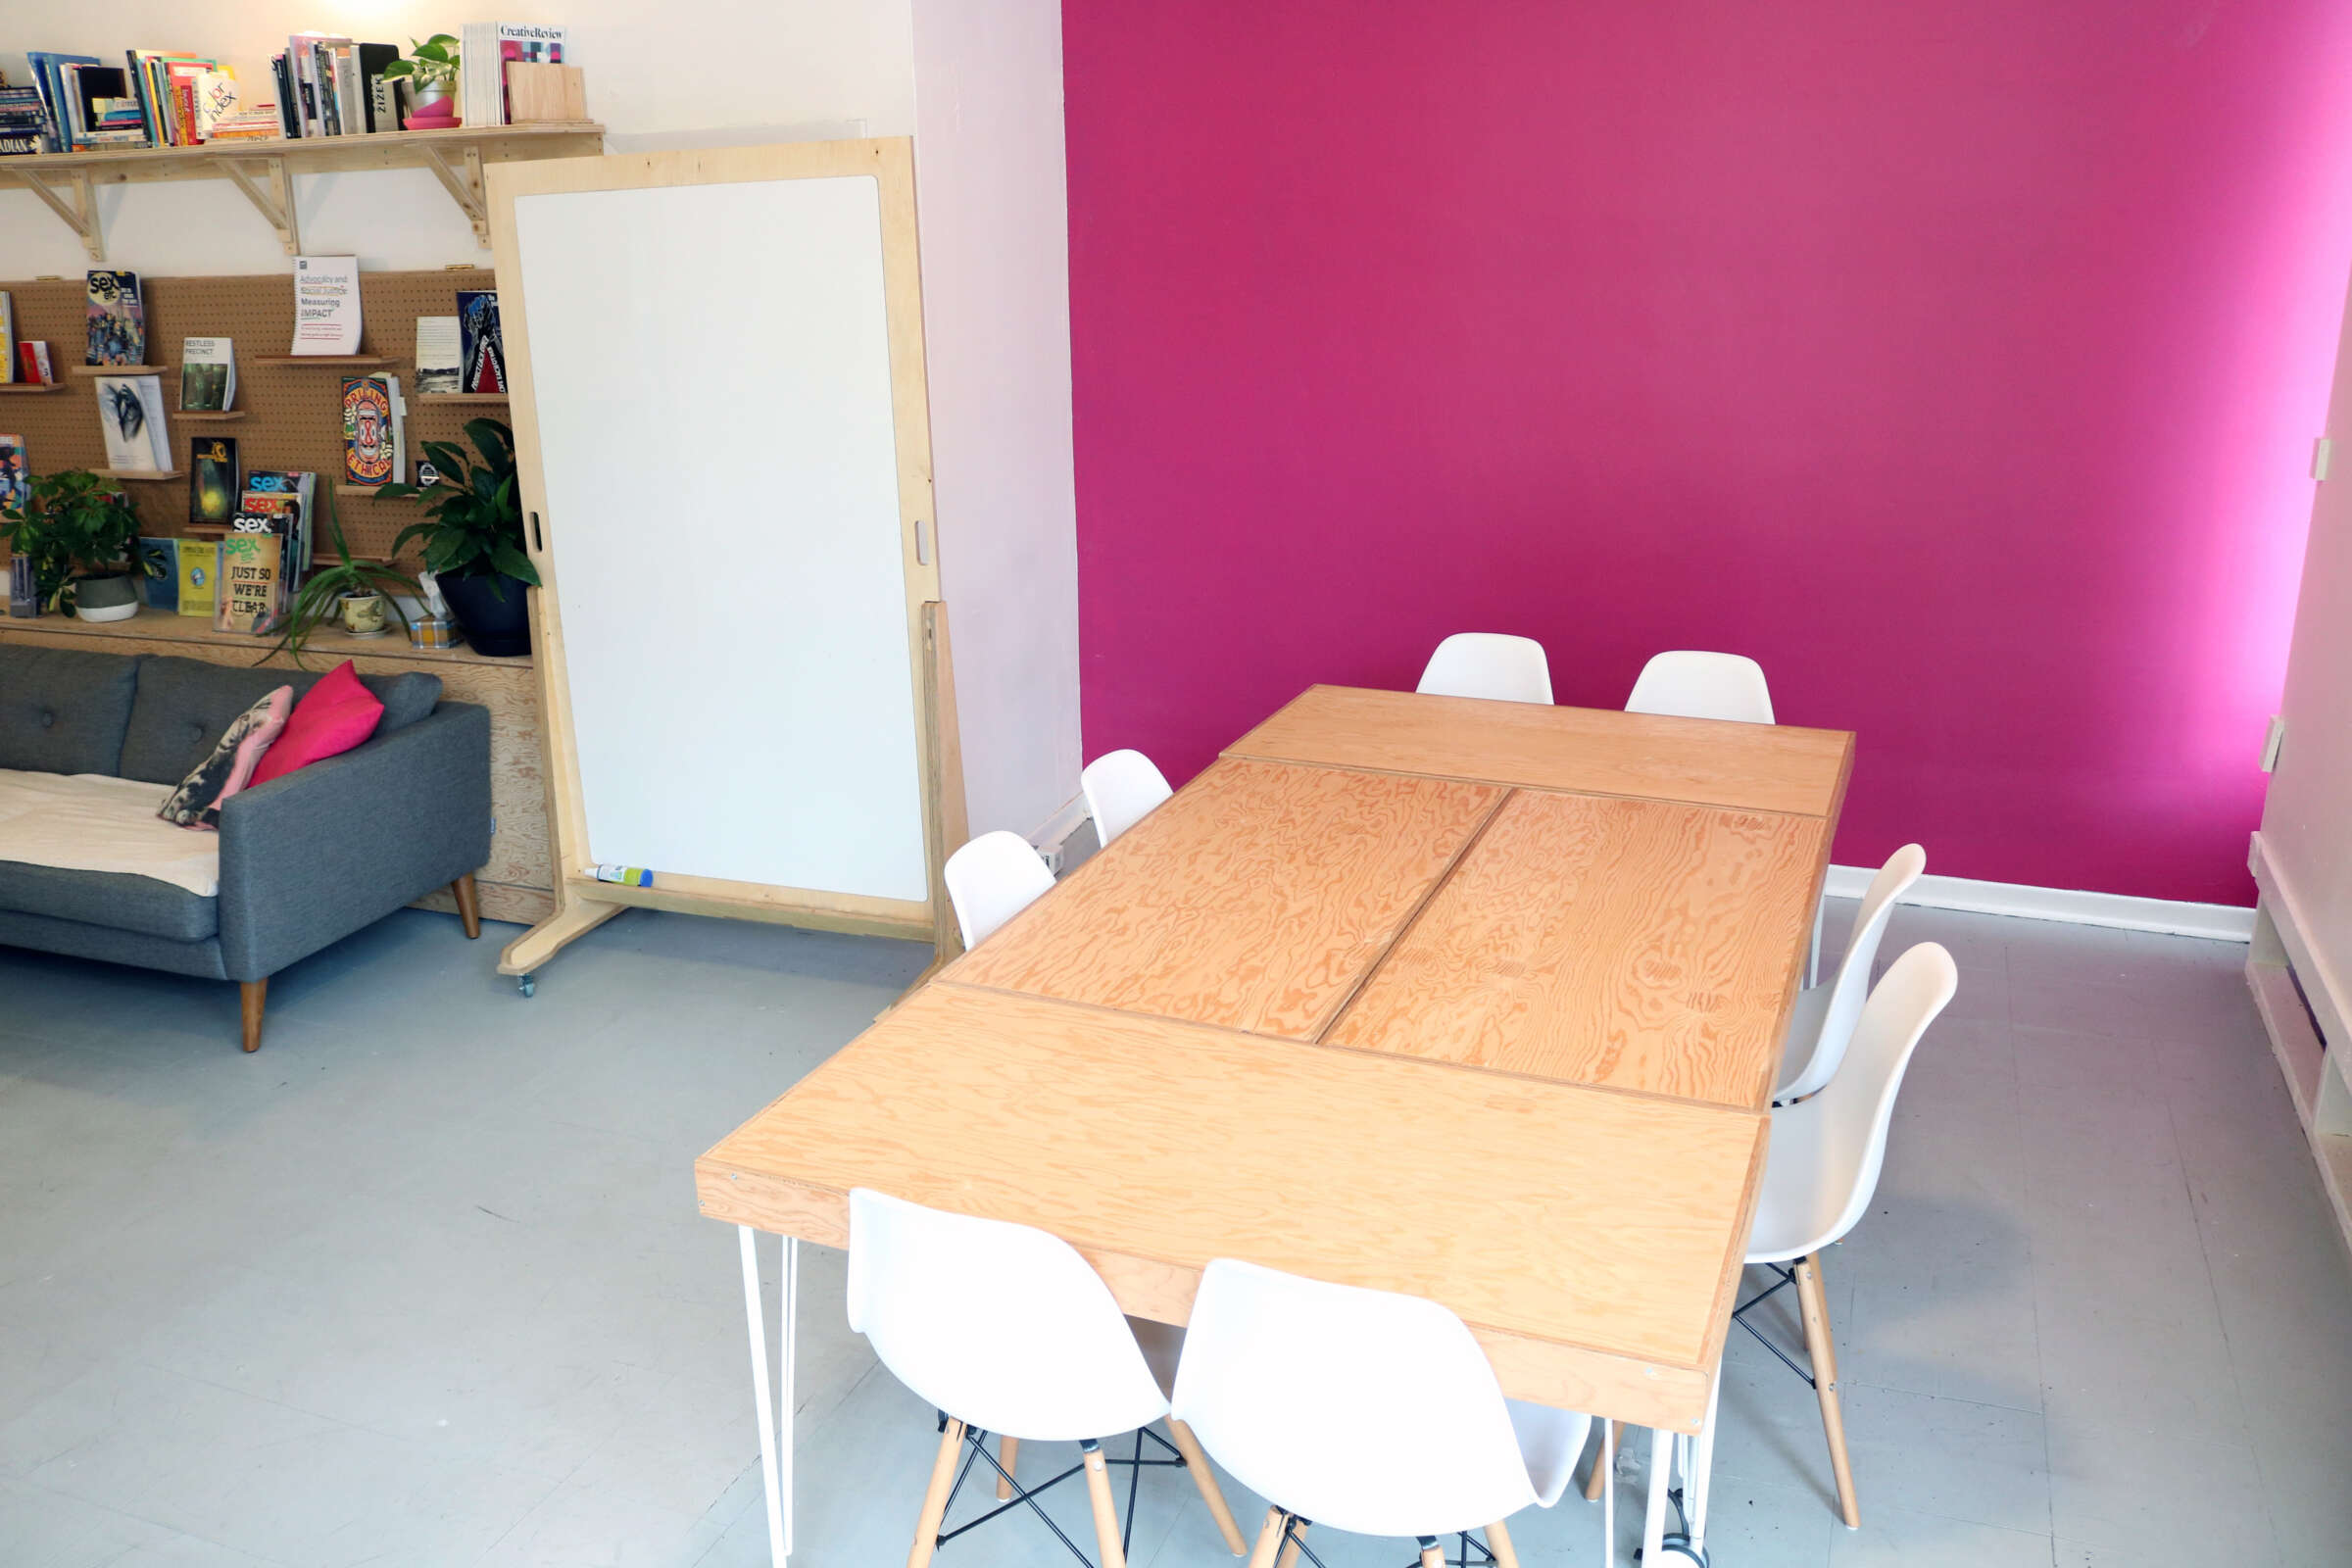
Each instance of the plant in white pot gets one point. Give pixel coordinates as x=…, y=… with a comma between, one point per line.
x=78, y=527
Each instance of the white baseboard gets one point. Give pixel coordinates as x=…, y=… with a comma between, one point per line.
x=1061, y=824
x=2220, y=921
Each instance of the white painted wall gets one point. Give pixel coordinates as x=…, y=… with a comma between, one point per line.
x=989, y=175
x=979, y=86
x=676, y=72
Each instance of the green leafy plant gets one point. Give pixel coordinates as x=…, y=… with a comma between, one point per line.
x=433, y=60
x=314, y=606
x=71, y=521
x=476, y=530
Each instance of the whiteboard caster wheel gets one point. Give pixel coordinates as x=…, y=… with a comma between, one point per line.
x=526, y=984
x=1678, y=1550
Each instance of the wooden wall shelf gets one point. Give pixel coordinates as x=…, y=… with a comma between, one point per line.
x=208, y=416
x=458, y=397
x=264, y=170
x=32, y=386
x=89, y=372
x=146, y=475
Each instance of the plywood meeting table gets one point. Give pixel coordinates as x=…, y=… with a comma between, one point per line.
x=1478, y=1001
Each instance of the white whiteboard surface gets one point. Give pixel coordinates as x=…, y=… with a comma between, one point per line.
x=710, y=367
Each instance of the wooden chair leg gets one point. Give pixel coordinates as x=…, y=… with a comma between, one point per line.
x=1008, y=1450
x=1106, y=1516
x=470, y=908
x=1815, y=1304
x=1269, y=1540
x=1433, y=1556
x=1289, y=1551
x=934, y=1499
x=1595, y=1480
x=1498, y=1542
x=251, y=996
x=1205, y=1479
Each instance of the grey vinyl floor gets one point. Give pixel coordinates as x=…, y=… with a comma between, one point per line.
x=422, y=1282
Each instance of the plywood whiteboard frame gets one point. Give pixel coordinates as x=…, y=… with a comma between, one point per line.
x=582, y=902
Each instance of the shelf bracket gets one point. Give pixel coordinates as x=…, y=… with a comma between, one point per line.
x=276, y=203
x=464, y=187
x=81, y=216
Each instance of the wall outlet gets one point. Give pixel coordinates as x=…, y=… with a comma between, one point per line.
x=1051, y=854
x=2272, y=739
x=2323, y=452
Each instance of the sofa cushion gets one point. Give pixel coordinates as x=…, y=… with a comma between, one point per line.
x=183, y=705
x=62, y=711
x=143, y=903
x=335, y=714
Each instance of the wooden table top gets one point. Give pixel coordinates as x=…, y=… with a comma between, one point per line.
x=1503, y=1038
x=1755, y=767
x=1578, y=1231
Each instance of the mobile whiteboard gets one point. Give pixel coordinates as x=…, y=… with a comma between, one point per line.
x=717, y=388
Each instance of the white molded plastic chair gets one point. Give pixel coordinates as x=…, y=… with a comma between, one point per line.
x=1004, y=1330
x=1823, y=1168
x=1823, y=1022
x=1489, y=663
x=992, y=879
x=1121, y=788
x=1367, y=1411
x=1697, y=685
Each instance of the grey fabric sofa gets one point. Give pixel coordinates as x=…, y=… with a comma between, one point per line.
x=306, y=859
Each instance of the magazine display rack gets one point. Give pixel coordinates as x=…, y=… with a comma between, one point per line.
x=264, y=170
x=287, y=415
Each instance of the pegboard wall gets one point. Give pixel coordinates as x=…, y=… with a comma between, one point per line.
x=293, y=414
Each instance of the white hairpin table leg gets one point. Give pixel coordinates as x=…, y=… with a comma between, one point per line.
x=1703, y=1468
x=1657, y=1482
x=775, y=1425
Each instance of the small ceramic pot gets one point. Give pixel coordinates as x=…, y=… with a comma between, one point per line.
x=363, y=614
x=108, y=598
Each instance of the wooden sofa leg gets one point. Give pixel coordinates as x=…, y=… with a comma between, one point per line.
x=469, y=910
x=251, y=994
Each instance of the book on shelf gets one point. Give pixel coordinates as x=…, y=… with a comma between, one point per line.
x=159, y=570
x=8, y=337
x=130, y=416
x=15, y=473
x=208, y=376
x=484, y=345
x=49, y=80
x=118, y=319
x=440, y=355
x=372, y=431
x=484, y=51
x=327, y=305
x=33, y=366
x=213, y=481
x=291, y=496
x=23, y=122
x=199, y=561
x=251, y=580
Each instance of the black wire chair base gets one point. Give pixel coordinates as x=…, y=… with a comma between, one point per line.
x=1294, y=1535
x=973, y=1438
x=1787, y=1277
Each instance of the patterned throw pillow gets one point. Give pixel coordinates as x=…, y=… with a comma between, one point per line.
x=196, y=804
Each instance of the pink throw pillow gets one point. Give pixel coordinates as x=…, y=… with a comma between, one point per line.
x=196, y=804
x=332, y=717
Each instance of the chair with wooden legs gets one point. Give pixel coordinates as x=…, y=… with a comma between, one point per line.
x=1822, y=1024
x=1007, y=1330
x=1491, y=664
x=1690, y=684
x=1365, y=1411
x=992, y=879
x=1823, y=1171
x=1121, y=788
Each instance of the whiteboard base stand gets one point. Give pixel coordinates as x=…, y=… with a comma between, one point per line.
x=582, y=903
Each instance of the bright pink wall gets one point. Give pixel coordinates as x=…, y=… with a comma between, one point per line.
x=1957, y=358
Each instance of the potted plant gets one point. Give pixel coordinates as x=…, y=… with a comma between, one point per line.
x=473, y=541
x=77, y=527
x=330, y=592
x=431, y=74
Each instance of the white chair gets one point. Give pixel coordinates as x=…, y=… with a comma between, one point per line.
x=1489, y=663
x=1823, y=1022
x=1367, y=1411
x=992, y=879
x=1005, y=1328
x=1697, y=685
x=1823, y=1168
x=1121, y=788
